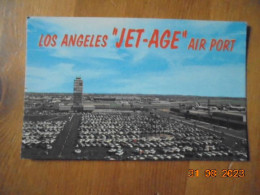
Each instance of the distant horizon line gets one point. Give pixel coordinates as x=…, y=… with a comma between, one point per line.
x=134, y=94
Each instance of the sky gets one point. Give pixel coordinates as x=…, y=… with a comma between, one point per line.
x=133, y=70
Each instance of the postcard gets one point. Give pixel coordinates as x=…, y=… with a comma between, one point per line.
x=135, y=89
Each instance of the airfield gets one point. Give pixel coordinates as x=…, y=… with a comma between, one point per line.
x=134, y=127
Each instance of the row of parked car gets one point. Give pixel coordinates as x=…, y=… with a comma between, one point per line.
x=41, y=134
x=140, y=136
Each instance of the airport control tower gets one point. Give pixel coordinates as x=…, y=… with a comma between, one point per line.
x=77, y=94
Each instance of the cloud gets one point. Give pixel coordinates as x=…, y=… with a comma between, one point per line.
x=67, y=25
x=99, y=25
x=55, y=78
x=228, y=81
x=143, y=69
x=81, y=54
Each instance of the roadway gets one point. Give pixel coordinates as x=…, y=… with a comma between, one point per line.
x=63, y=146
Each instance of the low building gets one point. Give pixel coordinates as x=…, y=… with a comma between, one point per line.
x=65, y=107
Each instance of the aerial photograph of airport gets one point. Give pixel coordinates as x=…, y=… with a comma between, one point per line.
x=142, y=102
x=133, y=127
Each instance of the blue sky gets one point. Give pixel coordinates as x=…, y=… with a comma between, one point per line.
x=140, y=70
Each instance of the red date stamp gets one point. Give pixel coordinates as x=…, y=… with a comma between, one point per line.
x=212, y=173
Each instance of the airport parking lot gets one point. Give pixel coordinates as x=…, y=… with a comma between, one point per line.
x=125, y=136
